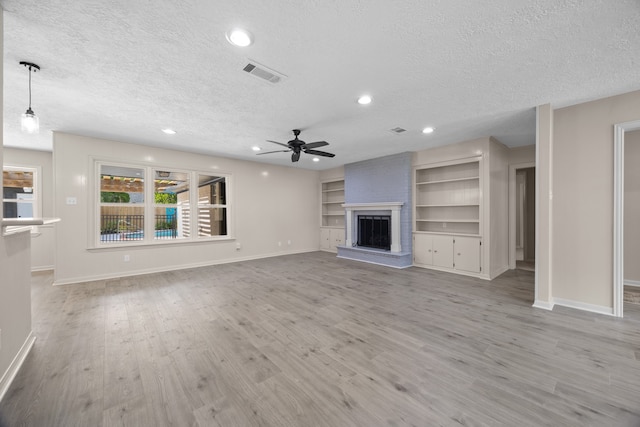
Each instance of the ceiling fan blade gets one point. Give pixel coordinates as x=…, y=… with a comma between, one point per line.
x=320, y=153
x=295, y=156
x=279, y=143
x=314, y=145
x=271, y=152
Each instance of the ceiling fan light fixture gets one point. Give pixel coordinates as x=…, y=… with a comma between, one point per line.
x=316, y=159
x=239, y=37
x=169, y=131
x=428, y=130
x=256, y=148
x=365, y=100
x=29, y=122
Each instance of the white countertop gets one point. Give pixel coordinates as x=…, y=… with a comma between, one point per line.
x=19, y=225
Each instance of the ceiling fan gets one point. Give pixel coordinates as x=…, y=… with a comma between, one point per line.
x=297, y=146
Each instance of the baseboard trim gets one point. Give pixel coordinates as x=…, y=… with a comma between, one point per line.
x=599, y=309
x=632, y=283
x=498, y=272
x=545, y=305
x=16, y=364
x=42, y=268
x=84, y=279
x=453, y=271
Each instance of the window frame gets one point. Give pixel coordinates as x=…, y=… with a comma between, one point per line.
x=149, y=206
x=36, y=202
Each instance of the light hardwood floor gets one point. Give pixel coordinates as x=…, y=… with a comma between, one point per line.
x=312, y=340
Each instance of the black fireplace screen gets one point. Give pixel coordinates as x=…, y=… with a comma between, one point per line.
x=374, y=231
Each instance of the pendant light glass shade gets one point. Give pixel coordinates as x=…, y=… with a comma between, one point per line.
x=29, y=121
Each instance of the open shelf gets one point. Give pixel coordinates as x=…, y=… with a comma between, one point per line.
x=332, y=214
x=447, y=199
x=444, y=181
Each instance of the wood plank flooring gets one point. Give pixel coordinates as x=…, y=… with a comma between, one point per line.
x=312, y=340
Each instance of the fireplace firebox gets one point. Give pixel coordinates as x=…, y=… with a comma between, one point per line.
x=374, y=231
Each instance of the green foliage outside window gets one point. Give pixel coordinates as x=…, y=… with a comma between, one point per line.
x=114, y=197
x=166, y=198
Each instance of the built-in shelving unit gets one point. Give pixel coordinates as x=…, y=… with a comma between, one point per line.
x=447, y=231
x=447, y=199
x=332, y=221
x=332, y=201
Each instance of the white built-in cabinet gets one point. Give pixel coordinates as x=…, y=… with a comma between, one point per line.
x=449, y=252
x=447, y=231
x=332, y=222
x=331, y=238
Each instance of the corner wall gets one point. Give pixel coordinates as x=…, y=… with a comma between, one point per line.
x=270, y=205
x=15, y=286
x=582, y=189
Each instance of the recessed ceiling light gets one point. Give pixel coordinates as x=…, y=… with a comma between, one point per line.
x=256, y=148
x=315, y=159
x=239, y=37
x=365, y=99
x=428, y=130
x=169, y=131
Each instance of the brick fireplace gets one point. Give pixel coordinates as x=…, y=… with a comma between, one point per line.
x=379, y=188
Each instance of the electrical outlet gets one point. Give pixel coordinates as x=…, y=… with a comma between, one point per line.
x=279, y=243
x=238, y=246
x=127, y=258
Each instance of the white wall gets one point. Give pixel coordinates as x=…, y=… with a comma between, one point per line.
x=270, y=204
x=525, y=154
x=15, y=284
x=42, y=242
x=499, y=212
x=582, y=189
x=332, y=174
x=632, y=207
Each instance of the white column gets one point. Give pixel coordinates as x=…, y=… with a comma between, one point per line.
x=349, y=240
x=395, y=229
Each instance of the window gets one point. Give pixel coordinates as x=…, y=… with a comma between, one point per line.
x=19, y=192
x=171, y=205
x=212, y=205
x=148, y=205
x=121, y=203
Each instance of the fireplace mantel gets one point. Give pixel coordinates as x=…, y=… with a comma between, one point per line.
x=394, y=207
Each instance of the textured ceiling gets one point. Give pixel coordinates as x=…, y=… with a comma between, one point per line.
x=125, y=69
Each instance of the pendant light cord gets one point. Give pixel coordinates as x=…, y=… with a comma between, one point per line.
x=29, y=87
x=32, y=69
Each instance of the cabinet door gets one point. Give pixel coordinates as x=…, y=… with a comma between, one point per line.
x=467, y=254
x=443, y=251
x=337, y=237
x=325, y=239
x=422, y=249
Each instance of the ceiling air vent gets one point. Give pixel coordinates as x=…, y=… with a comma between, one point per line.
x=263, y=72
x=397, y=130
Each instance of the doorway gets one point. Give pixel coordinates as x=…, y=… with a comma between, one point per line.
x=626, y=208
x=522, y=216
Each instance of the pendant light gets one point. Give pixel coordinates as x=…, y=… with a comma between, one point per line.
x=29, y=121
